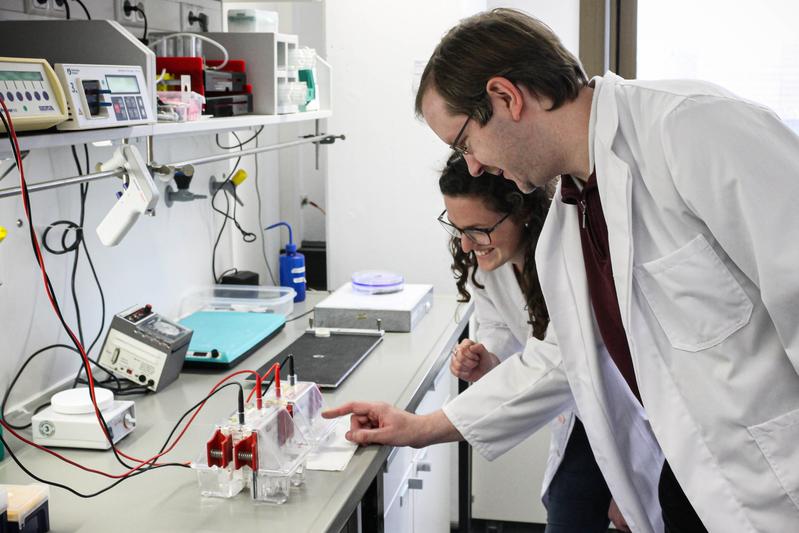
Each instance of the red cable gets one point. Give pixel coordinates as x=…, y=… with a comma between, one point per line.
x=142, y=463
x=40, y=259
x=276, y=368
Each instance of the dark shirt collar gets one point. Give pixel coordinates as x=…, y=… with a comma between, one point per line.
x=571, y=193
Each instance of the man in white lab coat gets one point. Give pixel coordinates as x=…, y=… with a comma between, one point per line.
x=668, y=266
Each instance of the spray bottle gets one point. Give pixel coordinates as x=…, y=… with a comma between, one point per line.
x=292, y=266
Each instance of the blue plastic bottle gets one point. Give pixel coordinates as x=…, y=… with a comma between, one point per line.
x=292, y=266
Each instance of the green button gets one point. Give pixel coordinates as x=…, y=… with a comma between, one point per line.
x=24, y=108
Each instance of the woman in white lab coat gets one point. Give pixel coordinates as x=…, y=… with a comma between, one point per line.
x=494, y=230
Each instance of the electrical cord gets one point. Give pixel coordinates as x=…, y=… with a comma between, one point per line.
x=81, y=4
x=129, y=8
x=299, y=316
x=149, y=463
x=120, y=390
x=246, y=236
x=12, y=137
x=138, y=472
x=240, y=144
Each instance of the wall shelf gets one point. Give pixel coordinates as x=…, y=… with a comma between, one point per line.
x=212, y=125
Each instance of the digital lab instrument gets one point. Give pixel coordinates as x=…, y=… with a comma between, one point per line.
x=70, y=420
x=224, y=338
x=145, y=348
x=326, y=356
x=103, y=96
x=32, y=94
x=351, y=308
x=140, y=195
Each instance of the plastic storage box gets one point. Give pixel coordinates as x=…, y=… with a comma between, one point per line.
x=252, y=20
x=248, y=298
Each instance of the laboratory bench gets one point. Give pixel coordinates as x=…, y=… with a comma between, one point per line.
x=402, y=370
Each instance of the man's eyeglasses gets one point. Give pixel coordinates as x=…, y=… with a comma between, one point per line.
x=456, y=145
x=481, y=236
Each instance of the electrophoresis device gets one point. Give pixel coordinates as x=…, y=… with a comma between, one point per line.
x=32, y=94
x=104, y=96
x=145, y=348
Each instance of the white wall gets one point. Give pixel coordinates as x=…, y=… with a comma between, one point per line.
x=562, y=16
x=382, y=190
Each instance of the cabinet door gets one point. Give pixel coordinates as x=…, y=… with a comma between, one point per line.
x=430, y=469
x=431, y=503
x=398, y=517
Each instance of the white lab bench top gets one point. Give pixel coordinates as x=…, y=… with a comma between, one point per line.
x=398, y=371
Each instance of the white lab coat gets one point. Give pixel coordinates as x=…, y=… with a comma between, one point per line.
x=502, y=325
x=698, y=190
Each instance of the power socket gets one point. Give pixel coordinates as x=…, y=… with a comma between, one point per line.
x=134, y=18
x=59, y=8
x=39, y=7
x=190, y=16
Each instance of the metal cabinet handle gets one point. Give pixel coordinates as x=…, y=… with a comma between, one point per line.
x=423, y=466
x=414, y=484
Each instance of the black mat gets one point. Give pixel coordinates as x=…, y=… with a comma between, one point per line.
x=327, y=361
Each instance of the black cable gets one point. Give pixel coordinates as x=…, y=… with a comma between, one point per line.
x=195, y=406
x=241, y=144
x=129, y=8
x=299, y=316
x=224, y=220
x=75, y=492
x=48, y=283
x=16, y=378
x=119, y=391
x=81, y=4
x=143, y=14
x=246, y=236
x=66, y=8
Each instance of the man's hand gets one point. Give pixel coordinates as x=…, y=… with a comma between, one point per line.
x=616, y=517
x=381, y=423
x=471, y=361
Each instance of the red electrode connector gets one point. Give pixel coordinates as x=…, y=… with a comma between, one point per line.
x=219, y=450
x=246, y=452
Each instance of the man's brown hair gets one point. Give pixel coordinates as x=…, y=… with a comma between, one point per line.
x=501, y=42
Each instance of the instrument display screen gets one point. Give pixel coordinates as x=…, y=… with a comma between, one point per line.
x=122, y=84
x=20, y=75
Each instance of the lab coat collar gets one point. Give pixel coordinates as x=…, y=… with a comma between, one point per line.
x=615, y=189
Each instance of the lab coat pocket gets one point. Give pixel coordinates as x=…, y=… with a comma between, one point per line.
x=777, y=440
x=694, y=297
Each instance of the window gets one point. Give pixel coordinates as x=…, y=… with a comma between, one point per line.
x=750, y=48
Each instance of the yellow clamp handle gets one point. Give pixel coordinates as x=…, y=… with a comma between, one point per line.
x=3, y=233
x=239, y=177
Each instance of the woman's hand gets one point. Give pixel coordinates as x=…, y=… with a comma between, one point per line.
x=470, y=361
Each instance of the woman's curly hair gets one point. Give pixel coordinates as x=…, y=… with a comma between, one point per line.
x=527, y=210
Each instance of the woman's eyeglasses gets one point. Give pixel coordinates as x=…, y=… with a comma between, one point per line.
x=481, y=236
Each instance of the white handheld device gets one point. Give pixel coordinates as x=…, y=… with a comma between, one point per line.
x=140, y=195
